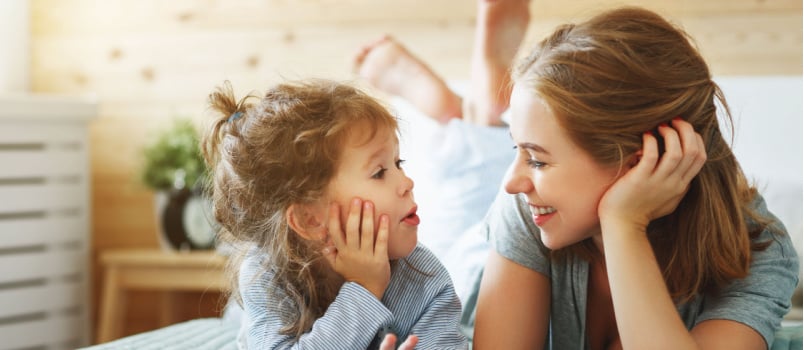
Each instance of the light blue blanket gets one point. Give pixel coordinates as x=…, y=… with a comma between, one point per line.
x=215, y=333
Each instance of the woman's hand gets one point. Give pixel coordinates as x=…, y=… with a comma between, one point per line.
x=357, y=256
x=656, y=184
x=389, y=343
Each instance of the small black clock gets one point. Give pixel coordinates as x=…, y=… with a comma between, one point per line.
x=187, y=222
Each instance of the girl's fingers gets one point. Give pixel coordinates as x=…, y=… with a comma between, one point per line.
x=353, y=224
x=367, y=228
x=389, y=342
x=334, y=226
x=409, y=343
x=381, y=244
x=330, y=253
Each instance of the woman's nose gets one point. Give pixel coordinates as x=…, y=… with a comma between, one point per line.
x=516, y=180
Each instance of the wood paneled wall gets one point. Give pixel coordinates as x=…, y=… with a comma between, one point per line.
x=149, y=61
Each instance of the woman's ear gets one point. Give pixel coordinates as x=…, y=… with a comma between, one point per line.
x=307, y=221
x=635, y=158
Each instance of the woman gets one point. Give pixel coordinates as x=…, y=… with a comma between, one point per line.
x=631, y=224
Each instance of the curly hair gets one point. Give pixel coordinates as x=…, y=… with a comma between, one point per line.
x=267, y=154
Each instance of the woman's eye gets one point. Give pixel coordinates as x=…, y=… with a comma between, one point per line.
x=379, y=174
x=535, y=163
x=399, y=163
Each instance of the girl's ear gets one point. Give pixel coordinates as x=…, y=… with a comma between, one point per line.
x=307, y=221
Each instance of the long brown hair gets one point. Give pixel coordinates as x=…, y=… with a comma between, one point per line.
x=267, y=154
x=624, y=72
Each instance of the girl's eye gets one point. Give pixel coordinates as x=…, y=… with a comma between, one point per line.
x=399, y=163
x=379, y=174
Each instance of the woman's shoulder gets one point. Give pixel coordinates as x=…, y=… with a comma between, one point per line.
x=779, y=249
x=775, y=226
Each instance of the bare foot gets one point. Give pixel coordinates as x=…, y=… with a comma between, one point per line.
x=500, y=28
x=391, y=68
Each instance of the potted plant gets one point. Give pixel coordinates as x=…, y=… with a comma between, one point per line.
x=174, y=169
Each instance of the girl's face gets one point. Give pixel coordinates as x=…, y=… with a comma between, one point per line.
x=372, y=171
x=561, y=182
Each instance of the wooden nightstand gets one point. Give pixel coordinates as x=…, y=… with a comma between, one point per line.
x=150, y=269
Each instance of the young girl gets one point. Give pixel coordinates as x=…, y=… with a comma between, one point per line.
x=631, y=224
x=299, y=179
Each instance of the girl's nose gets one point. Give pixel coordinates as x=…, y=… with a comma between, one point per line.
x=516, y=179
x=406, y=186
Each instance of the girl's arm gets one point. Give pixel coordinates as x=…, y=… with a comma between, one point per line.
x=513, y=306
x=646, y=315
x=438, y=327
x=427, y=312
x=351, y=321
x=357, y=313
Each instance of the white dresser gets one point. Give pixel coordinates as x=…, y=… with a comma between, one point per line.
x=44, y=222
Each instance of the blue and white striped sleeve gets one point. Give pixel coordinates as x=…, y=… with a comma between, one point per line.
x=424, y=303
x=351, y=321
x=438, y=327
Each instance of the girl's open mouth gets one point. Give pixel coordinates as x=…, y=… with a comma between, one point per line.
x=411, y=219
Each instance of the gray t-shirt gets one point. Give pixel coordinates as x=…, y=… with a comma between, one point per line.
x=759, y=301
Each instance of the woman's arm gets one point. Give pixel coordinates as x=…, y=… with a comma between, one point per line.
x=513, y=306
x=645, y=312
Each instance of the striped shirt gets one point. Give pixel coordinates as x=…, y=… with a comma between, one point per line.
x=416, y=302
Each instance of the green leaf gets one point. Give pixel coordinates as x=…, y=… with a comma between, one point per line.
x=173, y=158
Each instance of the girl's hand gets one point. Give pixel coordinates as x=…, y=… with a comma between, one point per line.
x=357, y=256
x=655, y=185
x=389, y=343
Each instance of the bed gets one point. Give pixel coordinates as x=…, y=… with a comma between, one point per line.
x=768, y=120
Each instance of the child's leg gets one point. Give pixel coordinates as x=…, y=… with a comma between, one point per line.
x=501, y=26
x=391, y=68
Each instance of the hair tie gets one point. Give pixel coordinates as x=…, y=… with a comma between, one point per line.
x=235, y=116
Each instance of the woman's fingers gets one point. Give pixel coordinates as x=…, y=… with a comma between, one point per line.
x=670, y=161
x=700, y=160
x=684, y=154
x=367, y=228
x=694, y=149
x=650, y=155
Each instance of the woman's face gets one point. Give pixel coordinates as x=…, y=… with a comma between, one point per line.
x=372, y=171
x=561, y=182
